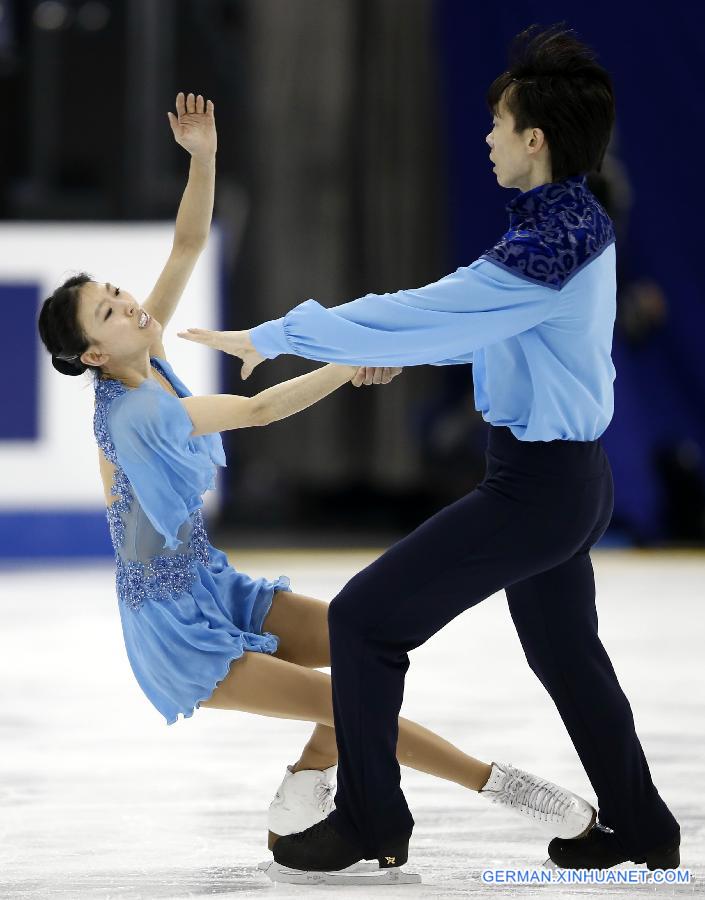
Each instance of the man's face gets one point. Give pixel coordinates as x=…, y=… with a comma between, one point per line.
x=509, y=151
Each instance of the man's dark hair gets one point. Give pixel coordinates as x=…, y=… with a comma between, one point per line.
x=554, y=83
x=59, y=328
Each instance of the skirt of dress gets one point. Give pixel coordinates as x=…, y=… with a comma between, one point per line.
x=181, y=649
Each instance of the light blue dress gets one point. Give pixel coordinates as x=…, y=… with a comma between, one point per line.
x=185, y=612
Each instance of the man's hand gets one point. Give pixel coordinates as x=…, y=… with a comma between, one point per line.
x=193, y=126
x=374, y=375
x=236, y=343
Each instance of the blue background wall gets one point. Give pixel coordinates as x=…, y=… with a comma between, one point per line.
x=657, y=62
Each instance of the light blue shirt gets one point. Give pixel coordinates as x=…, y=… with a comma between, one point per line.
x=540, y=344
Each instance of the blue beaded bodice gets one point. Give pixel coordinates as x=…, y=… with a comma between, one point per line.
x=142, y=575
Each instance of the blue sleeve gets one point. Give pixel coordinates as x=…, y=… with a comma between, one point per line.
x=456, y=360
x=167, y=469
x=441, y=323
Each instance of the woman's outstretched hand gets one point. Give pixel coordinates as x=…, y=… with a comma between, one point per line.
x=193, y=126
x=236, y=343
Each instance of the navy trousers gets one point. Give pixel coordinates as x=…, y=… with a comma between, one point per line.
x=528, y=528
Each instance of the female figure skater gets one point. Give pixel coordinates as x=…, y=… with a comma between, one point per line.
x=198, y=633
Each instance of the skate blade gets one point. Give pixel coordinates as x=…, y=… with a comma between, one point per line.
x=359, y=873
x=549, y=864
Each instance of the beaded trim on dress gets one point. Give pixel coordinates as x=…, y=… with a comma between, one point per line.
x=163, y=576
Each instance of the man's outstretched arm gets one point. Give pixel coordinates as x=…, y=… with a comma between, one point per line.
x=475, y=306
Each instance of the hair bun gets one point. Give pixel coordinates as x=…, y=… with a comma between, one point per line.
x=68, y=367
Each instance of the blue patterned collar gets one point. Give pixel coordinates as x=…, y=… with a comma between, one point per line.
x=555, y=230
x=546, y=199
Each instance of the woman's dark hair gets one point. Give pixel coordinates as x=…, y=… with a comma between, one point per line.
x=554, y=83
x=59, y=328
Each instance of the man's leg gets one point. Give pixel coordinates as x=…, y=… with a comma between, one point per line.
x=463, y=554
x=555, y=617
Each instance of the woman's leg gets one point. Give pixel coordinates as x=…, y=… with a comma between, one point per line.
x=301, y=624
x=261, y=683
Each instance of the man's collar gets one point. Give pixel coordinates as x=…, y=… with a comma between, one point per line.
x=546, y=199
x=555, y=229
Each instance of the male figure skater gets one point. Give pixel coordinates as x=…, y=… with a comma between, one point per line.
x=535, y=315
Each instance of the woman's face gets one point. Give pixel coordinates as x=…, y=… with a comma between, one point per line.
x=114, y=323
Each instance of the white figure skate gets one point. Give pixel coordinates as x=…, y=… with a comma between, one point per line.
x=302, y=799
x=563, y=813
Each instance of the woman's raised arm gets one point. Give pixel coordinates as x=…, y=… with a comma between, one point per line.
x=193, y=128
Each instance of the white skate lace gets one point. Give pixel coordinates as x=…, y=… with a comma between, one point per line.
x=522, y=789
x=324, y=798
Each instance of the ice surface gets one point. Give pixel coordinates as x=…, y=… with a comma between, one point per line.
x=100, y=799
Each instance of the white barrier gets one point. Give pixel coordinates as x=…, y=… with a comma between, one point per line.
x=58, y=471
